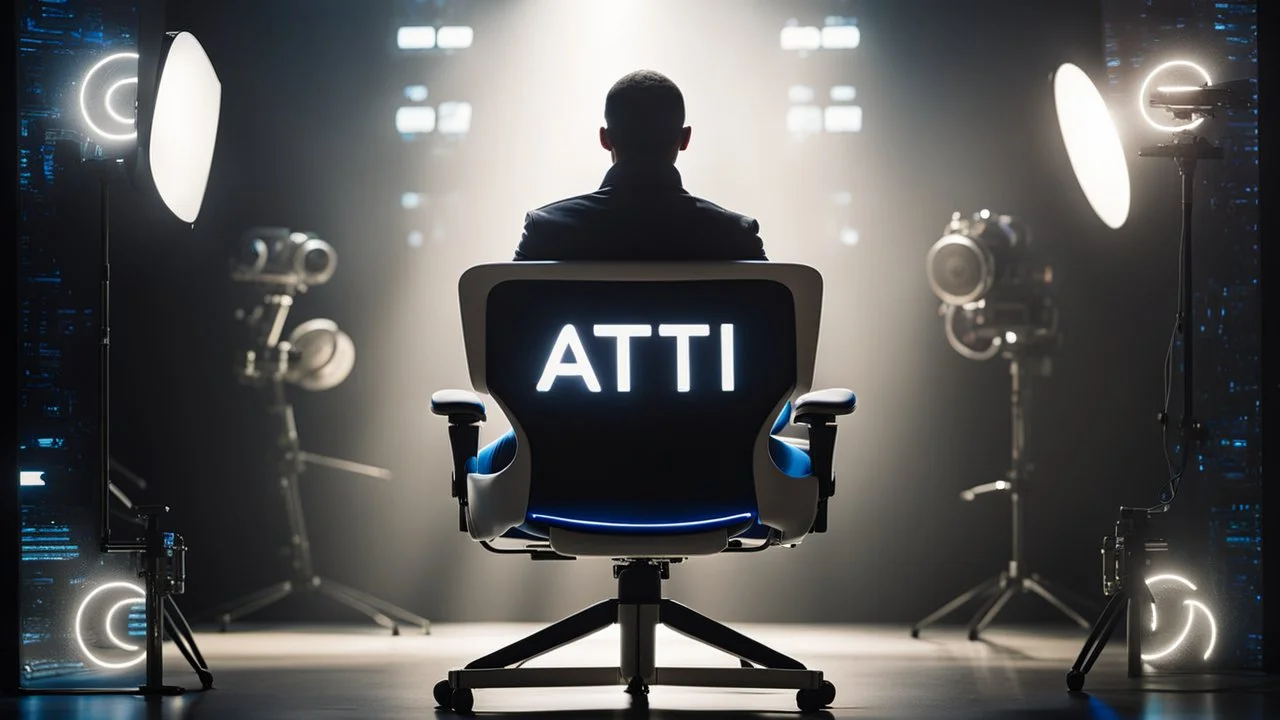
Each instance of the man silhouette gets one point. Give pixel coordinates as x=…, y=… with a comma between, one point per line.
x=641, y=211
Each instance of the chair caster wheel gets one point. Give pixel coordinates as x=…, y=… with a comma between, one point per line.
x=814, y=699
x=638, y=689
x=1075, y=681
x=443, y=694
x=395, y=630
x=973, y=636
x=915, y=633
x=463, y=700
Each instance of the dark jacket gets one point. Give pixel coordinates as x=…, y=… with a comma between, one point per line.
x=640, y=212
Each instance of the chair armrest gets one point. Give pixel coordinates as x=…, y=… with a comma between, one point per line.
x=824, y=405
x=461, y=406
x=818, y=410
x=465, y=412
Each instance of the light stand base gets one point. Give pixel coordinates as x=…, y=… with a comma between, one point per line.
x=377, y=609
x=998, y=591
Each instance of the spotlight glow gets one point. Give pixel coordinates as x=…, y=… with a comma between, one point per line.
x=841, y=37
x=79, y=632
x=800, y=38
x=1142, y=95
x=86, y=83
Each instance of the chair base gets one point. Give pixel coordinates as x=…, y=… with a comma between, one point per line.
x=638, y=609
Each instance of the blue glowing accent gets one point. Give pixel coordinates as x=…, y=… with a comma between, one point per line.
x=709, y=522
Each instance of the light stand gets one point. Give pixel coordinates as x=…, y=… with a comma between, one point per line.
x=163, y=554
x=998, y=590
x=275, y=357
x=1130, y=541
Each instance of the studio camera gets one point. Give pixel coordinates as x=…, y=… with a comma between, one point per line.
x=280, y=257
x=995, y=292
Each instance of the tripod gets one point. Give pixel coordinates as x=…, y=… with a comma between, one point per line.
x=293, y=462
x=1130, y=542
x=998, y=590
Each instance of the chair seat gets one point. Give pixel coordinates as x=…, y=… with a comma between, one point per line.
x=496, y=455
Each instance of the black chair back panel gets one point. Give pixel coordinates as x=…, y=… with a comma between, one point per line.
x=676, y=447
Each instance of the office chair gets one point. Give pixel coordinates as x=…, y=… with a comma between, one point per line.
x=644, y=400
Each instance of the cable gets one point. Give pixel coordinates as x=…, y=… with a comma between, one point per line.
x=1175, y=476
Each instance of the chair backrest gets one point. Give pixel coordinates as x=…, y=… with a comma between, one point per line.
x=642, y=394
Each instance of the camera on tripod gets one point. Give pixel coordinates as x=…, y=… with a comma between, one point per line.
x=995, y=292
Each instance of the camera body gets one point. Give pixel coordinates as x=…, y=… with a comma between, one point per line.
x=279, y=257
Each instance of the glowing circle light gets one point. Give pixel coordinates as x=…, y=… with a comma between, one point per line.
x=134, y=596
x=1146, y=85
x=1194, y=608
x=97, y=89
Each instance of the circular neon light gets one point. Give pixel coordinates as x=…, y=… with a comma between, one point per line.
x=1192, y=606
x=111, y=91
x=1142, y=95
x=80, y=621
x=111, y=614
x=84, y=105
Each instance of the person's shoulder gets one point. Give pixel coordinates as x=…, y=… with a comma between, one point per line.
x=728, y=219
x=567, y=206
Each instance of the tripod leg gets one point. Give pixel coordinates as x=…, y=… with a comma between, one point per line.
x=382, y=605
x=1096, y=641
x=254, y=602
x=985, y=587
x=1034, y=586
x=988, y=613
x=181, y=636
x=179, y=623
x=360, y=607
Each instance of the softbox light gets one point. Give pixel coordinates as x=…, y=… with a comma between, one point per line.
x=1093, y=144
x=177, y=123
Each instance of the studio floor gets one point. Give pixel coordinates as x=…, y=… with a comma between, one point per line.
x=358, y=672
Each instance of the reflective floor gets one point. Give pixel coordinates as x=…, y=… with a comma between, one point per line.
x=363, y=673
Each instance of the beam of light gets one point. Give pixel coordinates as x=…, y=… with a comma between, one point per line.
x=80, y=621
x=31, y=478
x=111, y=614
x=727, y=519
x=84, y=102
x=1142, y=95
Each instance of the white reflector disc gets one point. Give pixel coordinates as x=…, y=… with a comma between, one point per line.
x=1093, y=144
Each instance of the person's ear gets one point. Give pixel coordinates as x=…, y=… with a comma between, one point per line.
x=685, y=134
x=605, y=142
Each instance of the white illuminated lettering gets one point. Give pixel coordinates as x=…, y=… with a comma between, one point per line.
x=682, y=333
x=579, y=367
x=726, y=358
x=623, y=334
